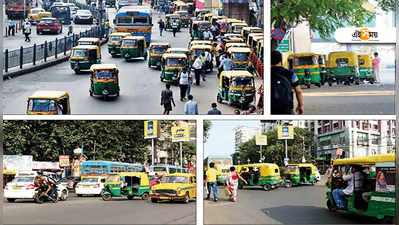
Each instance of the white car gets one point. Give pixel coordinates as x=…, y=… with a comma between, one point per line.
x=22, y=187
x=90, y=186
x=83, y=16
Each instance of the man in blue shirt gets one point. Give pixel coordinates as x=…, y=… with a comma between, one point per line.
x=191, y=107
x=11, y=27
x=214, y=110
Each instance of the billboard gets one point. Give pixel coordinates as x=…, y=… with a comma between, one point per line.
x=180, y=133
x=17, y=162
x=285, y=132
x=261, y=139
x=64, y=160
x=150, y=129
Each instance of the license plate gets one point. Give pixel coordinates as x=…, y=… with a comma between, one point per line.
x=86, y=186
x=17, y=188
x=46, y=29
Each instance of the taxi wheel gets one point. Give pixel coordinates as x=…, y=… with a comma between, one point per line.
x=154, y=200
x=186, y=198
x=64, y=195
x=145, y=196
x=267, y=187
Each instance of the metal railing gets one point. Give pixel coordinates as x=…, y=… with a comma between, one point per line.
x=40, y=53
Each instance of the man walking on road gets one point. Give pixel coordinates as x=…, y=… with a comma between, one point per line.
x=11, y=27
x=174, y=27
x=197, y=65
x=184, y=82
x=282, y=83
x=161, y=26
x=27, y=30
x=191, y=107
x=167, y=100
x=214, y=110
x=211, y=177
x=376, y=67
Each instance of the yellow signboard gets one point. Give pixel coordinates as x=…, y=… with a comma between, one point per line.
x=261, y=139
x=285, y=132
x=150, y=129
x=180, y=133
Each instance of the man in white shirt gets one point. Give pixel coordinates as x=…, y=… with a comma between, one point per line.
x=184, y=82
x=197, y=65
x=355, y=179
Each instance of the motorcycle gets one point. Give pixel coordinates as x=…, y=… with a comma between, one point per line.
x=40, y=197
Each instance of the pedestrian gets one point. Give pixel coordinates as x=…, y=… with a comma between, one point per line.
x=214, y=110
x=175, y=26
x=232, y=182
x=251, y=110
x=167, y=100
x=195, y=31
x=166, y=9
x=106, y=28
x=207, y=34
x=27, y=30
x=11, y=27
x=161, y=26
x=226, y=64
x=376, y=67
x=184, y=81
x=197, y=65
x=211, y=178
x=191, y=107
x=283, y=82
x=204, y=65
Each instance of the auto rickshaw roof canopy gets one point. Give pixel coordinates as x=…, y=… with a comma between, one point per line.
x=200, y=42
x=120, y=34
x=304, y=54
x=177, y=50
x=302, y=165
x=366, y=160
x=55, y=95
x=174, y=55
x=159, y=44
x=132, y=174
x=234, y=39
x=236, y=73
x=88, y=47
x=351, y=56
x=89, y=39
x=367, y=60
x=231, y=20
x=253, y=29
x=195, y=47
x=239, y=50
x=103, y=67
x=239, y=24
x=138, y=38
x=256, y=34
x=264, y=168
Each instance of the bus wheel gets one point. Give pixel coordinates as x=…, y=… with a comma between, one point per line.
x=267, y=187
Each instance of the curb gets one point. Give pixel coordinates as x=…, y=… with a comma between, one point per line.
x=10, y=75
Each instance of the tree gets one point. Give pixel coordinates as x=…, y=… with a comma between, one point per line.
x=207, y=127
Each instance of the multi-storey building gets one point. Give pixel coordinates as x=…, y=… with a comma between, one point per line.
x=244, y=134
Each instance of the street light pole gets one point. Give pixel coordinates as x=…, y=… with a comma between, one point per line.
x=286, y=149
x=181, y=154
x=260, y=153
x=152, y=152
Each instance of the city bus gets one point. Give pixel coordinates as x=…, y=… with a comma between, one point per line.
x=222, y=164
x=101, y=168
x=17, y=9
x=166, y=169
x=136, y=20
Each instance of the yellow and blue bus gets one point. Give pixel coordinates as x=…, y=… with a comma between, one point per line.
x=222, y=165
x=136, y=20
x=101, y=168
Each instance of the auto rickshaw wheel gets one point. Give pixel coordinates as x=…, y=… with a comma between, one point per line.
x=267, y=187
x=145, y=57
x=117, y=93
x=219, y=99
x=371, y=81
x=186, y=198
x=388, y=220
x=154, y=200
x=330, y=207
x=145, y=196
x=130, y=197
x=288, y=184
x=318, y=84
x=77, y=71
x=91, y=92
x=106, y=197
x=308, y=85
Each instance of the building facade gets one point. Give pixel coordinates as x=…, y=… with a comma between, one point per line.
x=244, y=134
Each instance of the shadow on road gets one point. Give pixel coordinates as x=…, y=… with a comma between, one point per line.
x=295, y=214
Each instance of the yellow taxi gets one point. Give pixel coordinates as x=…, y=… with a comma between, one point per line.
x=175, y=186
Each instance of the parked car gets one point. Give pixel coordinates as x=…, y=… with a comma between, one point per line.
x=90, y=186
x=49, y=25
x=83, y=16
x=22, y=187
x=70, y=182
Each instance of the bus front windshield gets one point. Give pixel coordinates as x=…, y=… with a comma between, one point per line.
x=174, y=179
x=242, y=82
x=42, y=105
x=105, y=74
x=175, y=62
x=240, y=56
x=305, y=60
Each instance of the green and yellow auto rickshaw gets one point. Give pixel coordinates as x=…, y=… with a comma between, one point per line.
x=249, y=30
x=156, y=50
x=237, y=27
x=251, y=36
x=184, y=17
x=306, y=67
x=127, y=184
x=115, y=41
x=365, y=68
x=376, y=195
x=266, y=175
x=171, y=18
x=179, y=51
x=89, y=41
x=48, y=103
x=323, y=69
x=202, y=26
x=104, y=80
x=240, y=58
x=237, y=87
x=84, y=56
x=197, y=50
x=343, y=67
x=172, y=64
x=134, y=47
x=300, y=173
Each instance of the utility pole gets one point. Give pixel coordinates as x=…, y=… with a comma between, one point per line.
x=181, y=154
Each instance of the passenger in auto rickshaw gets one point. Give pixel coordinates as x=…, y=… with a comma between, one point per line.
x=355, y=183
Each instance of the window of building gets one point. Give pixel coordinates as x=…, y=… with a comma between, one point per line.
x=362, y=139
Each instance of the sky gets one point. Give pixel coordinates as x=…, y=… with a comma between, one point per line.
x=221, y=136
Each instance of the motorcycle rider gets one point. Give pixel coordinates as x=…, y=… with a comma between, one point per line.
x=46, y=183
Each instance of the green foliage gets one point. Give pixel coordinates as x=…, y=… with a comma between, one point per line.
x=207, y=126
x=274, y=152
x=325, y=16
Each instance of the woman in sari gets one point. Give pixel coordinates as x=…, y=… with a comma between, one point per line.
x=232, y=183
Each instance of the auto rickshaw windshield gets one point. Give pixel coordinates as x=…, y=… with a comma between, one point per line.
x=198, y=52
x=115, y=39
x=158, y=50
x=174, y=179
x=242, y=82
x=80, y=52
x=105, y=74
x=175, y=62
x=129, y=42
x=292, y=168
x=361, y=62
x=342, y=62
x=113, y=178
x=239, y=27
x=240, y=56
x=305, y=60
x=321, y=60
x=41, y=105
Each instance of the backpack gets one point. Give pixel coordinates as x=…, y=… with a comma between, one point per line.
x=281, y=94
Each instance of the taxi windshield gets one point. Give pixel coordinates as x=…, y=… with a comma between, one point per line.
x=174, y=179
x=115, y=39
x=42, y=105
x=158, y=50
x=175, y=62
x=129, y=42
x=305, y=60
x=242, y=82
x=80, y=52
x=240, y=56
x=114, y=178
x=104, y=74
x=89, y=180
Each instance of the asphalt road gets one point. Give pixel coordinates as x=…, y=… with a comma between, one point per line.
x=363, y=99
x=296, y=205
x=93, y=210
x=140, y=86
